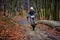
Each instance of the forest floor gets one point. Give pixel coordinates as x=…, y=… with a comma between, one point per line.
x=21, y=30
x=42, y=32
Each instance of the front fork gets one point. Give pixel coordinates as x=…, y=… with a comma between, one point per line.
x=33, y=23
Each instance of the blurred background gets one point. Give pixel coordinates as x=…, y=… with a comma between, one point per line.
x=45, y=9
x=15, y=26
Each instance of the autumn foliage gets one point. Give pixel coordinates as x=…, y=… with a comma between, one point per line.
x=11, y=33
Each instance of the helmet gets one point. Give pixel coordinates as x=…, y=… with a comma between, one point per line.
x=31, y=8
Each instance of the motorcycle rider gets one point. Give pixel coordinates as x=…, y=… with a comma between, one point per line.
x=31, y=15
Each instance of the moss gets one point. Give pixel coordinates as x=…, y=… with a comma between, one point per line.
x=6, y=20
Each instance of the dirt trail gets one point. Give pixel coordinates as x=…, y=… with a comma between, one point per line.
x=38, y=34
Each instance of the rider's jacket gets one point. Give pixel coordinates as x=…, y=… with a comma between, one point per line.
x=31, y=13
